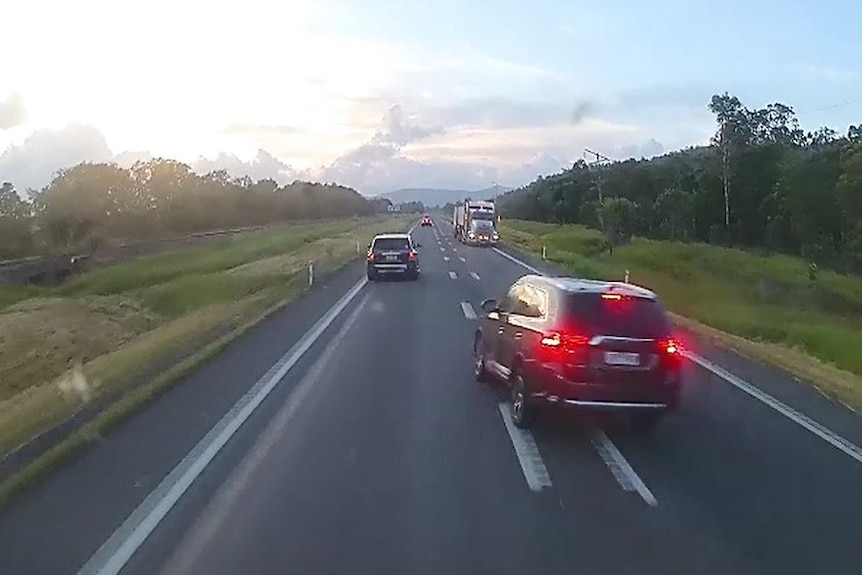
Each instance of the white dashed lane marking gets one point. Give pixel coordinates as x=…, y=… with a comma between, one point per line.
x=462, y=259
x=453, y=275
x=445, y=258
x=475, y=276
x=620, y=468
x=468, y=310
x=527, y=452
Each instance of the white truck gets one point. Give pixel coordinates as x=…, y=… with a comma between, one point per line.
x=479, y=223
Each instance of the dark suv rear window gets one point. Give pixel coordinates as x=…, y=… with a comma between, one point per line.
x=393, y=244
x=627, y=317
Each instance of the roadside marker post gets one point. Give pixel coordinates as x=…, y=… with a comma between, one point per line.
x=310, y=273
x=544, y=253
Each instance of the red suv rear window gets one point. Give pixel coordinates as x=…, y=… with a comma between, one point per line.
x=625, y=317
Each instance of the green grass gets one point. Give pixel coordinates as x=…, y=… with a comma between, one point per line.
x=11, y=294
x=113, y=326
x=766, y=298
x=155, y=270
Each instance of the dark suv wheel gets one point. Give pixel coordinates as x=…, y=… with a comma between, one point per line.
x=523, y=410
x=480, y=372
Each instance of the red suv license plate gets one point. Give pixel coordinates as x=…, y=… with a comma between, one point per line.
x=622, y=358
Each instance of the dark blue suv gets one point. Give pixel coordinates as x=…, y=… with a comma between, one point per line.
x=392, y=255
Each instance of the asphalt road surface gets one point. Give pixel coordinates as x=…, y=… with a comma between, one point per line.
x=361, y=444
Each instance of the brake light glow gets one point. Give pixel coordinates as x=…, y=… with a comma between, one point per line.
x=370, y=257
x=670, y=347
x=552, y=340
x=557, y=339
x=612, y=296
x=412, y=255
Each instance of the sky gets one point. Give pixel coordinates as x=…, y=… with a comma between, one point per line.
x=386, y=94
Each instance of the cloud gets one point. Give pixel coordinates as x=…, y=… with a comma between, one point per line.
x=445, y=146
x=377, y=161
x=495, y=113
x=32, y=163
x=128, y=159
x=12, y=112
x=263, y=166
x=260, y=130
x=648, y=149
x=399, y=130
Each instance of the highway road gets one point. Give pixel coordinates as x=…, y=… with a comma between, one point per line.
x=345, y=434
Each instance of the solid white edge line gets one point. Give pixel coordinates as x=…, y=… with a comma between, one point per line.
x=519, y=262
x=191, y=546
x=453, y=275
x=818, y=429
x=475, y=276
x=527, y=452
x=468, y=310
x=806, y=422
x=113, y=555
x=620, y=468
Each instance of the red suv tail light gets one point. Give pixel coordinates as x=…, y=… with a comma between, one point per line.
x=669, y=346
x=563, y=340
x=563, y=347
x=370, y=257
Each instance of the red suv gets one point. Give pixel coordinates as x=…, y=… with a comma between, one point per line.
x=582, y=344
x=426, y=221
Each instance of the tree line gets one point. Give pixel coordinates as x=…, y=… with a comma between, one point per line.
x=91, y=203
x=762, y=182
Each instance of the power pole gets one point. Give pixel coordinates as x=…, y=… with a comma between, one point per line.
x=599, y=160
x=724, y=176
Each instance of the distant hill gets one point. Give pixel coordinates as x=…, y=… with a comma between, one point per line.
x=436, y=197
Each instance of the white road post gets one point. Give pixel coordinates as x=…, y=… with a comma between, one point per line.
x=627, y=276
x=544, y=253
x=311, y=273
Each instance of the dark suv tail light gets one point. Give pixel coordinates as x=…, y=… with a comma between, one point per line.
x=563, y=340
x=370, y=257
x=412, y=255
x=669, y=346
x=564, y=347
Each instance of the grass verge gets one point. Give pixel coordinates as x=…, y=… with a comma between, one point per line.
x=765, y=307
x=79, y=345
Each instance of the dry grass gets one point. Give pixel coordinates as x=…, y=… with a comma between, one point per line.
x=48, y=335
x=50, y=401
